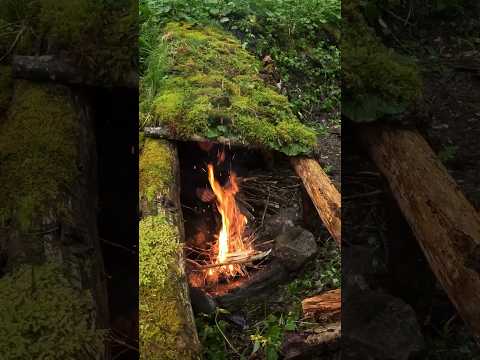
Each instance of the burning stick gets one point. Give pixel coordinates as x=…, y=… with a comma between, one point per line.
x=241, y=257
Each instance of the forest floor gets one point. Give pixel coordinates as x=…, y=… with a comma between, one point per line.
x=449, y=117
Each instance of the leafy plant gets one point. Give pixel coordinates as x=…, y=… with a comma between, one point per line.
x=269, y=334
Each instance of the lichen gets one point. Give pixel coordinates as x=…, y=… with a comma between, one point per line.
x=6, y=86
x=44, y=317
x=210, y=86
x=155, y=168
x=37, y=153
x=376, y=80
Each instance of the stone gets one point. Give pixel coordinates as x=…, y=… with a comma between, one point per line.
x=295, y=247
x=378, y=326
x=202, y=303
x=286, y=218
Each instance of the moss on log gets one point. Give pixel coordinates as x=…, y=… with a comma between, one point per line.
x=54, y=290
x=214, y=89
x=167, y=328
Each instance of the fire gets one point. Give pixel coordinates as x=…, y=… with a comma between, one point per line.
x=231, y=237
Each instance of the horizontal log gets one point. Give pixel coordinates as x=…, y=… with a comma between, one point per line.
x=445, y=224
x=313, y=343
x=51, y=68
x=161, y=132
x=323, y=193
x=323, y=307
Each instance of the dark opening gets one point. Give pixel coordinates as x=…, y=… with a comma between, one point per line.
x=116, y=118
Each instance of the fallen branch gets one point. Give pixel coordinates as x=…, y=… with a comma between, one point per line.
x=445, y=224
x=51, y=68
x=237, y=258
x=323, y=193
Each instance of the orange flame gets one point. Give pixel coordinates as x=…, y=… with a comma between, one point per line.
x=230, y=238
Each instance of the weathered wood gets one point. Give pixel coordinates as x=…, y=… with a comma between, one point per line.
x=312, y=344
x=51, y=68
x=323, y=193
x=167, y=326
x=323, y=307
x=160, y=132
x=446, y=225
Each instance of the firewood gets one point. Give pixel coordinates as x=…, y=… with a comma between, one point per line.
x=323, y=307
x=323, y=193
x=445, y=224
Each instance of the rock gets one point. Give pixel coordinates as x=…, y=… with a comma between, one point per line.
x=202, y=302
x=294, y=247
x=258, y=285
x=278, y=223
x=378, y=326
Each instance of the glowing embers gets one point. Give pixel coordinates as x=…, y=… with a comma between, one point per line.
x=231, y=247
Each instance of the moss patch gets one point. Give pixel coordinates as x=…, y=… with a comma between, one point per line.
x=210, y=86
x=162, y=316
x=155, y=168
x=37, y=153
x=376, y=81
x=43, y=317
x=97, y=35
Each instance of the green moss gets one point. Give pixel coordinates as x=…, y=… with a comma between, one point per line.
x=155, y=168
x=6, y=87
x=37, y=153
x=162, y=316
x=44, y=317
x=210, y=86
x=96, y=35
x=376, y=81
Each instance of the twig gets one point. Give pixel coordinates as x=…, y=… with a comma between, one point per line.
x=118, y=246
x=19, y=34
x=239, y=260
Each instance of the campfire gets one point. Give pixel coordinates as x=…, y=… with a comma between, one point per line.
x=231, y=248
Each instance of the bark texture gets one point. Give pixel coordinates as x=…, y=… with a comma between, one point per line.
x=323, y=307
x=323, y=193
x=446, y=225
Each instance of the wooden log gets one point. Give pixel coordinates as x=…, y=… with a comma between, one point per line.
x=312, y=344
x=323, y=193
x=49, y=226
x=51, y=68
x=160, y=132
x=446, y=225
x=323, y=307
x=167, y=326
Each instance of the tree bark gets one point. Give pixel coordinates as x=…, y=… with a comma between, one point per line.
x=446, y=225
x=50, y=68
x=323, y=193
x=323, y=307
x=167, y=326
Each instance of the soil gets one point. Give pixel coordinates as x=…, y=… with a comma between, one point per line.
x=449, y=117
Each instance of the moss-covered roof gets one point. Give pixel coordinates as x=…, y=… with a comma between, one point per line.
x=376, y=80
x=37, y=152
x=200, y=81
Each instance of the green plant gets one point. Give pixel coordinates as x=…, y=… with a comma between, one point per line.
x=269, y=334
x=448, y=153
